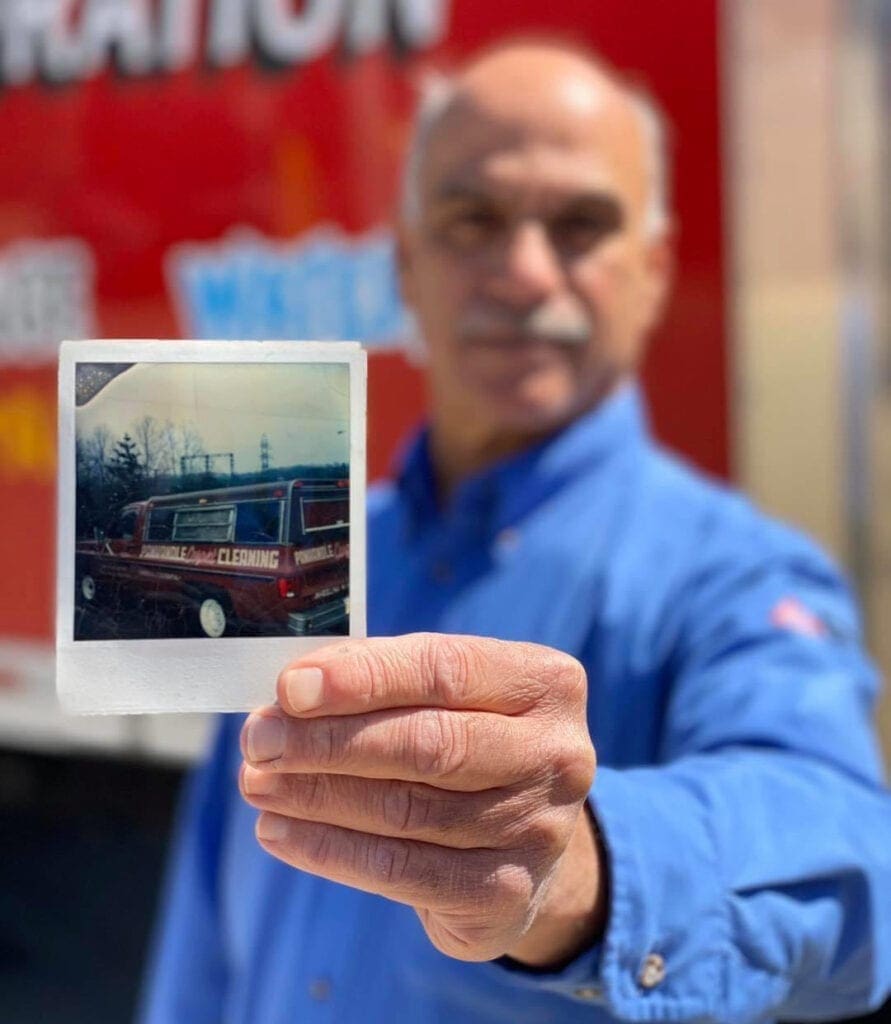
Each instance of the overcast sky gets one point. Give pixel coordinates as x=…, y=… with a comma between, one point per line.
x=303, y=408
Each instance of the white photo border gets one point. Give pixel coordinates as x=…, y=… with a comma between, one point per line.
x=180, y=674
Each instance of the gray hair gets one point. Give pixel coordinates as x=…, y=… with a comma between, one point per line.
x=437, y=93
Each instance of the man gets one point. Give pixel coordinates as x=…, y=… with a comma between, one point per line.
x=431, y=846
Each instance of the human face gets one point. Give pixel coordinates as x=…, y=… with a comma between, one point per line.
x=530, y=267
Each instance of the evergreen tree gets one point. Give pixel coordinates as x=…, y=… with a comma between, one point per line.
x=126, y=471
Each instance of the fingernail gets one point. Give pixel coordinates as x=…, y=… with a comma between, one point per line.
x=303, y=688
x=257, y=783
x=272, y=828
x=265, y=738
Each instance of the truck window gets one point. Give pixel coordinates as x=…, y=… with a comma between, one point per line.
x=325, y=513
x=160, y=524
x=258, y=522
x=122, y=527
x=212, y=525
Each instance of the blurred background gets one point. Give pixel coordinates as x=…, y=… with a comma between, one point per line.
x=192, y=168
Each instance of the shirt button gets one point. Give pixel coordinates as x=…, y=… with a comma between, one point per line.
x=320, y=989
x=588, y=992
x=652, y=971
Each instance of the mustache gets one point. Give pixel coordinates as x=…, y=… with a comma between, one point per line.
x=563, y=325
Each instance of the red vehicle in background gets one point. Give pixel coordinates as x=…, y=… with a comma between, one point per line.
x=267, y=558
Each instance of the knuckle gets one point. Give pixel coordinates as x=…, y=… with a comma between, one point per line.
x=545, y=677
x=394, y=807
x=572, y=770
x=438, y=742
x=449, y=669
x=325, y=741
x=580, y=770
x=577, y=679
x=513, y=885
x=546, y=832
x=364, y=672
x=527, y=821
x=388, y=861
x=314, y=793
x=318, y=845
x=361, y=670
x=566, y=677
x=407, y=808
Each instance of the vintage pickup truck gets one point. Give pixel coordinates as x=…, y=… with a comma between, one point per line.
x=263, y=558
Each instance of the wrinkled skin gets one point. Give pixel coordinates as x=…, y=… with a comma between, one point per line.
x=442, y=772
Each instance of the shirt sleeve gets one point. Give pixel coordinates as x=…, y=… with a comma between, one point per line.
x=750, y=868
x=186, y=978
x=753, y=863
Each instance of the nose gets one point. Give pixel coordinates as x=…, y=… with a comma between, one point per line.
x=530, y=270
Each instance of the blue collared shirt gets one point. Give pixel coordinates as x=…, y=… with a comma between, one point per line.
x=739, y=790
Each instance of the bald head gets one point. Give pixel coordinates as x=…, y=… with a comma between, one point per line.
x=546, y=89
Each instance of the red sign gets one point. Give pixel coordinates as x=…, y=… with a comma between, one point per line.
x=201, y=168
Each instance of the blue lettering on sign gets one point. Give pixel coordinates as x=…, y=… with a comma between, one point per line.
x=326, y=287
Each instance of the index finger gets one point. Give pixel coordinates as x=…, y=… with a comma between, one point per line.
x=429, y=670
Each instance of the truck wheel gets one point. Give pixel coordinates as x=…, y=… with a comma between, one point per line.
x=88, y=588
x=212, y=617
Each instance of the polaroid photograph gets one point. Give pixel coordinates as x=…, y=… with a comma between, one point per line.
x=211, y=518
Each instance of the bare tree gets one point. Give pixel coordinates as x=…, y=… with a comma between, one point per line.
x=97, y=452
x=167, y=445
x=148, y=434
x=188, y=442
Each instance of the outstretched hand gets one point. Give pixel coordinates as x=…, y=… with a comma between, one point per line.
x=445, y=772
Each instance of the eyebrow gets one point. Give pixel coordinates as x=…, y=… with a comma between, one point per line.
x=454, y=192
x=605, y=204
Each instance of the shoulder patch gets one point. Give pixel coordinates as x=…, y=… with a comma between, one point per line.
x=792, y=615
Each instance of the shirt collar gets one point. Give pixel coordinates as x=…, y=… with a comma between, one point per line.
x=502, y=493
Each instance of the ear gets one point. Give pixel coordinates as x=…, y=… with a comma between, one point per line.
x=414, y=348
x=405, y=263
x=659, y=270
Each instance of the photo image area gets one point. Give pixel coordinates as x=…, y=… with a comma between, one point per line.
x=212, y=500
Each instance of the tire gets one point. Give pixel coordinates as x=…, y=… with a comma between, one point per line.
x=213, y=617
x=88, y=588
